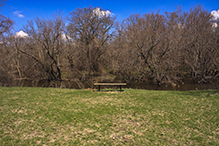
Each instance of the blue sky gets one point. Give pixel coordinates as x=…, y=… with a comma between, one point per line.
x=22, y=10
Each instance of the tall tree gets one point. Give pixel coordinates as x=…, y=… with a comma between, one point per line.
x=199, y=36
x=91, y=29
x=5, y=23
x=148, y=34
x=44, y=44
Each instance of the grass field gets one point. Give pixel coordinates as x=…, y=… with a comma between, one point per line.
x=49, y=116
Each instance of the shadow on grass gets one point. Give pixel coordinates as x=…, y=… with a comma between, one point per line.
x=109, y=90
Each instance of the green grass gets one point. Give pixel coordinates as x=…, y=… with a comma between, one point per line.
x=49, y=116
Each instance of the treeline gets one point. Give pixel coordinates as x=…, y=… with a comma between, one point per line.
x=90, y=44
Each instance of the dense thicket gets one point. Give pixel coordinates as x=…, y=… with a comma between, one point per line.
x=91, y=44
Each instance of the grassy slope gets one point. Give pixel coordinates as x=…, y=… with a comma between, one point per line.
x=134, y=117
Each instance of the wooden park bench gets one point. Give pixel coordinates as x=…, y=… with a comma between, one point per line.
x=110, y=84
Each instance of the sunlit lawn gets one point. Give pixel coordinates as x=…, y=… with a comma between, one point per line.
x=49, y=116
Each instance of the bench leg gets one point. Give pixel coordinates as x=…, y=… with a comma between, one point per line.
x=98, y=87
x=120, y=87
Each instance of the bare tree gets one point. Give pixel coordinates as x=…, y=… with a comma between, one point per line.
x=91, y=29
x=44, y=45
x=148, y=34
x=170, y=45
x=166, y=47
x=5, y=23
x=199, y=35
x=2, y=3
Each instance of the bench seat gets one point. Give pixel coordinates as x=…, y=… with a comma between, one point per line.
x=110, y=84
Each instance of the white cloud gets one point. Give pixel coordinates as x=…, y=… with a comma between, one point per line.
x=65, y=37
x=100, y=13
x=180, y=26
x=214, y=25
x=21, y=34
x=215, y=14
x=18, y=13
